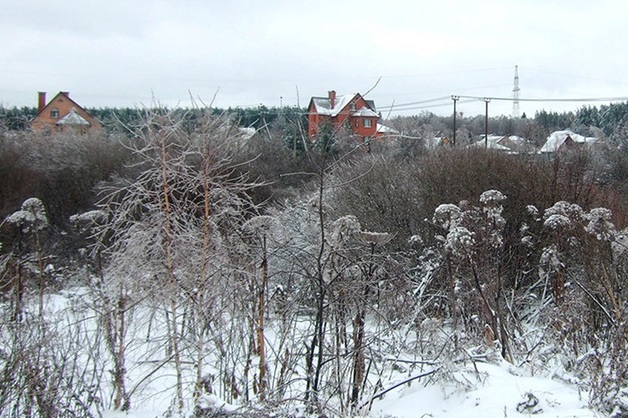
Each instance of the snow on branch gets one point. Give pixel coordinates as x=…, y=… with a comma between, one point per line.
x=447, y=215
x=600, y=224
x=31, y=217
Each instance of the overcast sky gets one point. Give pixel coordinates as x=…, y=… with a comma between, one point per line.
x=119, y=53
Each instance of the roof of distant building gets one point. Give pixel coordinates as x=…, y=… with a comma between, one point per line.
x=558, y=138
x=365, y=112
x=73, y=118
x=386, y=129
x=323, y=105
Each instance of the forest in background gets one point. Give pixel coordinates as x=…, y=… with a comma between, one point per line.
x=609, y=121
x=276, y=272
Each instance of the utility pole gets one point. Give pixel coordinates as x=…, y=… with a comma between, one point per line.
x=455, y=99
x=486, y=100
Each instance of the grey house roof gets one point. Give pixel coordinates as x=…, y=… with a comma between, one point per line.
x=73, y=119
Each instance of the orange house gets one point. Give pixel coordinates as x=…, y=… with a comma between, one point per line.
x=63, y=114
x=350, y=110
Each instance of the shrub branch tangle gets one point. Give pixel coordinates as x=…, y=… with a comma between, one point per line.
x=169, y=231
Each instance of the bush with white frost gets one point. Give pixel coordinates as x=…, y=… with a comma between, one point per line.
x=31, y=217
x=447, y=216
x=459, y=241
x=600, y=224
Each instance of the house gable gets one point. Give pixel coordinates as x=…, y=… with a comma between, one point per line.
x=63, y=114
x=350, y=110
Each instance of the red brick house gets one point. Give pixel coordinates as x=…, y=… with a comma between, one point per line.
x=62, y=114
x=351, y=111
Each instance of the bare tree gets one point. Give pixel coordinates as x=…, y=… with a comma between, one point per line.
x=169, y=229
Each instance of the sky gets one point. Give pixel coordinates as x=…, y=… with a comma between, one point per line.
x=409, y=56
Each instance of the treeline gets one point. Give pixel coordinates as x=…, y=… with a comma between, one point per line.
x=610, y=120
x=128, y=118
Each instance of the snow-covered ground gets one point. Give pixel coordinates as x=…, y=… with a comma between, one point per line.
x=496, y=390
x=480, y=386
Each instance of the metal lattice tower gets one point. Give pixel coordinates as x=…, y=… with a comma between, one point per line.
x=515, y=95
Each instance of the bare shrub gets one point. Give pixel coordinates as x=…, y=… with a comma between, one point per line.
x=60, y=170
x=51, y=367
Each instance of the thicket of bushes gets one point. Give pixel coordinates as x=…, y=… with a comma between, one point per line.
x=308, y=288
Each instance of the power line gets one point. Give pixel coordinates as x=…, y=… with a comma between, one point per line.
x=396, y=106
x=425, y=104
x=588, y=99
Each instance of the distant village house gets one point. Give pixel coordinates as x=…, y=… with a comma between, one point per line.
x=561, y=141
x=350, y=110
x=511, y=144
x=62, y=114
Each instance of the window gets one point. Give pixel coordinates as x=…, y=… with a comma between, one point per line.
x=367, y=123
x=54, y=113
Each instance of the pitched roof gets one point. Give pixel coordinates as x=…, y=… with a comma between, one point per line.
x=73, y=118
x=365, y=113
x=65, y=95
x=512, y=143
x=383, y=129
x=323, y=104
x=492, y=141
x=558, y=138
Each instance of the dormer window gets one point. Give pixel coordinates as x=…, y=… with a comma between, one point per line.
x=353, y=106
x=367, y=123
x=54, y=113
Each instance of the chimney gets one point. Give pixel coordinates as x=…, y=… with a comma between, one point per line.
x=332, y=98
x=41, y=103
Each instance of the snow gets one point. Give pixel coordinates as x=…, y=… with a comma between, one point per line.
x=492, y=141
x=571, y=211
x=73, y=118
x=323, y=104
x=496, y=391
x=31, y=217
x=91, y=217
x=492, y=196
x=403, y=381
x=20, y=217
x=459, y=240
x=365, y=112
x=620, y=245
x=383, y=129
x=247, y=132
x=557, y=138
x=599, y=224
x=447, y=215
x=532, y=210
x=549, y=258
x=557, y=221
x=473, y=387
x=344, y=228
x=509, y=144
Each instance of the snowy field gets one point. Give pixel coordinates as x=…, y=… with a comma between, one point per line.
x=483, y=387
